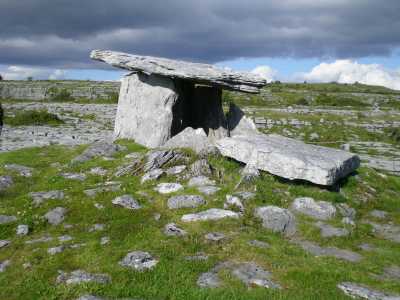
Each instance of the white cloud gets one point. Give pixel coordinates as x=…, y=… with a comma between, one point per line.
x=20, y=73
x=265, y=72
x=348, y=71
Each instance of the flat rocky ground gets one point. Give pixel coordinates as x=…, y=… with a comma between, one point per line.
x=119, y=222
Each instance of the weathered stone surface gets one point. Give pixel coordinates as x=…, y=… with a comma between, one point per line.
x=258, y=244
x=56, y=216
x=330, y=231
x=176, y=170
x=195, y=139
x=74, y=176
x=21, y=170
x=208, y=189
x=4, y=219
x=4, y=243
x=209, y=280
x=22, y=229
x=215, y=236
x=391, y=273
x=97, y=227
x=5, y=182
x=43, y=239
x=210, y=214
x=65, y=238
x=168, y=187
x=99, y=171
x=198, y=256
x=109, y=186
x=289, y=158
x=152, y=175
x=156, y=159
x=233, y=201
x=79, y=276
x=200, y=167
x=378, y=214
x=239, y=123
x=329, y=251
x=355, y=290
x=390, y=232
x=98, y=149
x=320, y=210
x=139, y=260
x=145, y=109
x=4, y=265
x=55, y=250
x=126, y=201
x=200, y=73
x=40, y=197
x=172, y=229
x=277, y=219
x=185, y=201
x=346, y=211
x=200, y=181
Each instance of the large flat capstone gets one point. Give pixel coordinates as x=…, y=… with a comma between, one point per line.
x=290, y=158
x=195, y=72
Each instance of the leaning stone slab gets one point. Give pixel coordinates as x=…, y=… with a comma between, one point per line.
x=79, y=276
x=355, y=290
x=200, y=73
x=289, y=158
x=211, y=214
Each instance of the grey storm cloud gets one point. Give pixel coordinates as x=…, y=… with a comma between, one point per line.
x=61, y=33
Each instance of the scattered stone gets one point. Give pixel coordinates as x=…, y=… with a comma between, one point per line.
x=4, y=265
x=172, y=229
x=195, y=139
x=99, y=206
x=5, y=182
x=129, y=169
x=258, y=244
x=4, y=219
x=329, y=251
x=157, y=217
x=55, y=250
x=198, y=256
x=214, y=236
x=277, y=219
x=348, y=221
x=176, y=170
x=168, y=187
x=391, y=273
x=330, y=231
x=98, y=149
x=22, y=229
x=43, y=239
x=76, y=246
x=321, y=210
x=245, y=195
x=356, y=290
x=27, y=265
x=40, y=197
x=99, y=171
x=65, y=238
x=319, y=165
x=152, y=175
x=104, y=240
x=387, y=231
x=185, y=201
x=126, y=201
x=378, y=214
x=4, y=243
x=200, y=181
x=208, y=189
x=97, y=227
x=139, y=260
x=209, y=280
x=346, y=211
x=79, y=276
x=109, y=186
x=200, y=167
x=211, y=214
x=73, y=176
x=56, y=216
x=21, y=170
x=367, y=247
x=233, y=201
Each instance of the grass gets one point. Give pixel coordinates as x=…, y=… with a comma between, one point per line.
x=302, y=275
x=33, y=117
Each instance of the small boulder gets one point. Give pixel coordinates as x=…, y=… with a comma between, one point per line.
x=277, y=219
x=321, y=210
x=172, y=229
x=126, y=201
x=168, y=187
x=22, y=229
x=56, y=216
x=185, y=201
x=138, y=260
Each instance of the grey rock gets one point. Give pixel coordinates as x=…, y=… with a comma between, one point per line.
x=98, y=149
x=387, y=231
x=65, y=238
x=319, y=165
x=209, y=280
x=4, y=265
x=355, y=290
x=277, y=219
x=329, y=251
x=367, y=247
x=97, y=227
x=73, y=176
x=168, y=187
x=55, y=250
x=195, y=139
x=21, y=170
x=152, y=175
x=40, y=197
x=331, y=231
x=185, y=201
x=109, y=186
x=245, y=195
x=196, y=72
x=176, y=170
x=126, y=201
x=56, y=216
x=79, y=276
x=391, y=273
x=233, y=201
x=211, y=214
x=4, y=243
x=4, y=219
x=43, y=239
x=139, y=260
x=215, y=236
x=208, y=189
x=258, y=244
x=239, y=123
x=249, y=173
x=5, y=182
x=22, y=229
x=130, y=168
x=346, y=211
x=156, y=159
x=321, y=210
x=98, y=171
x=172, y=229
x=200, y=181
x=348, y=221
x=253, y=275
x=104, y=240
x=199, y=256
x=200, y=167
x=378, y=214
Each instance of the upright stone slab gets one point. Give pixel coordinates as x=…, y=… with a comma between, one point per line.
x=145, y=109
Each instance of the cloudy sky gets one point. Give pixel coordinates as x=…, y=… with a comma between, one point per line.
x=289, y=40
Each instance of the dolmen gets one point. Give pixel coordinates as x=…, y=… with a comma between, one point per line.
x=166, y=103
